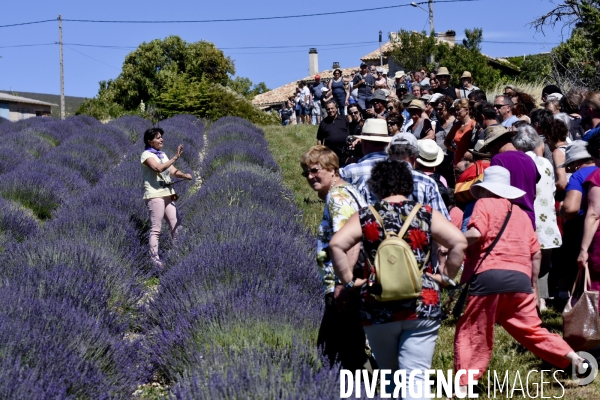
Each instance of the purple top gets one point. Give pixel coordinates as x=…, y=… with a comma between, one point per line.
x=523, y=175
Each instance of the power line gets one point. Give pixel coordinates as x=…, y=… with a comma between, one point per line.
x=101, y=62
x=27, y=45
x=28, y=23
x=259, y=18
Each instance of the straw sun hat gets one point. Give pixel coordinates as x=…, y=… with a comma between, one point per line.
x=430, y=154
x=496, y=179
x=375, y=130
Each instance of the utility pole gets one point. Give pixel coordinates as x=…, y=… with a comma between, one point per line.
x=62, y=71
x=431, y=17
x=380, y=55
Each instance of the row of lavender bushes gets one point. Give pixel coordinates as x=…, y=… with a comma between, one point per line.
x=74, y=255
x=237, y=310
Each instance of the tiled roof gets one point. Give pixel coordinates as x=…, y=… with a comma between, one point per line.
x=386, y=49
x=19, y=99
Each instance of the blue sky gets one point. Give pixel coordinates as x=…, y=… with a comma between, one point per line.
x=36, y=69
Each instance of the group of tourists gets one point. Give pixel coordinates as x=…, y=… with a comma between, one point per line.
x=504, y=190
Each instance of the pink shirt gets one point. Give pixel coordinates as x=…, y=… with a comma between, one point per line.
x=516, y=246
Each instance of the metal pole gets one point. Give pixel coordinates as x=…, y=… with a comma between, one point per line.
x=431, y=17
x=62, y=72
x=380, y=54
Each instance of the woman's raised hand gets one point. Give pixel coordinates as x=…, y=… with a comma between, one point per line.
x=179, y=150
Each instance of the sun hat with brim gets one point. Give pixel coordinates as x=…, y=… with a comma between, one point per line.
x=492, y=133
x=399, y=74
x=466, y=74
x=379, y=95
x=426, y=97
x=415, y=104
x=408, y=98
x=476, y=151
x=577, y=150
x=430, y=154
x=325, y=89
x=496, y=179
x=554, y=96
x=443, y=71
x=375, y=130
x=436, y=98
x=406, y=139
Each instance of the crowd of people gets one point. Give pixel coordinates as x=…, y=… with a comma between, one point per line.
x=506, y=190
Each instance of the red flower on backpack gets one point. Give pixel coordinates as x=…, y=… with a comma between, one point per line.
x=371, y=231
x=417, y=239
x=430, y=297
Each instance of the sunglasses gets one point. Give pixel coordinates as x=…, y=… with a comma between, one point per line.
x=355, y=113
x=499, y=106
x=391, y=123
x=312, y=171
x=390, y=108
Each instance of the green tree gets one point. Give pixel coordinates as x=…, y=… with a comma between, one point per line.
x=414, y=50
x=246, y=88
x=177, y=77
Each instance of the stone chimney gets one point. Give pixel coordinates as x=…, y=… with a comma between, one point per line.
x=313, y=62
x=335, y=65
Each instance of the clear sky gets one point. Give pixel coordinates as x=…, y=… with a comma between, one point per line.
x=36, y=68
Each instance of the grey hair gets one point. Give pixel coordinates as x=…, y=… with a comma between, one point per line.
x=416, y=84
x=564, y=117
x=506, y=100
x=526, y=139
x=402, y=152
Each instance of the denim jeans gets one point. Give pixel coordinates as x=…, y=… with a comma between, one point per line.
x=406, y=345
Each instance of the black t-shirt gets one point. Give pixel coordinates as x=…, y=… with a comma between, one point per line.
x=333, y=133
x=355, y=128
x=449, y=91
x=497, y=281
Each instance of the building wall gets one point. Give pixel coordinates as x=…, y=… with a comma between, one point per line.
x=19, y=111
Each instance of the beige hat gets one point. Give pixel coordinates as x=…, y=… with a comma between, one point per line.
x=375, y=130
x=399, y=74
x=492, y=133
x=477, y=150
x=443, y=71
x=466, y=74
x=416, y=104
x=430, y=154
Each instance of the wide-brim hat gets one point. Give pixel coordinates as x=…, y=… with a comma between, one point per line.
x=408, y=98
x=443, y=71
x=379, y=95
x=436, y=98
x=415, y=104
x=426, y=97
x=466, y=74
x=496, y=179
x=430, y=154
x=577, y=150
x=476, y=151
x=492, y=133
x=399, y=74
x=375, y=130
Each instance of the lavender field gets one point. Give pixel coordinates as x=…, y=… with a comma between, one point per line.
x=85, y=314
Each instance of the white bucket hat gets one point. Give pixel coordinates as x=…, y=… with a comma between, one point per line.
x=577, y=150
x=375, y=130
x=430, y=154
x=496, y=179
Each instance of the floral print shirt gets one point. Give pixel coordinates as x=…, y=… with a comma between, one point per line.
x=543, y=205
x=340, y=204
x=418, y=236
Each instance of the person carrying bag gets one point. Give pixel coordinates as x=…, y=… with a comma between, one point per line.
x=581, y=321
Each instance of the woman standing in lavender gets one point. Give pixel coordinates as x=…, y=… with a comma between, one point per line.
x=159, y=194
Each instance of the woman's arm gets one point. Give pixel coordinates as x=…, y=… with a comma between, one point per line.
x=450, y=137
x=179, y=174
x=347, y=90
x=561, y=174
x=590, y=225
x=571, y=205
x=429, y=133
x=155, y=166
x=449, y=236
x=340, y=245
x=472, y=235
